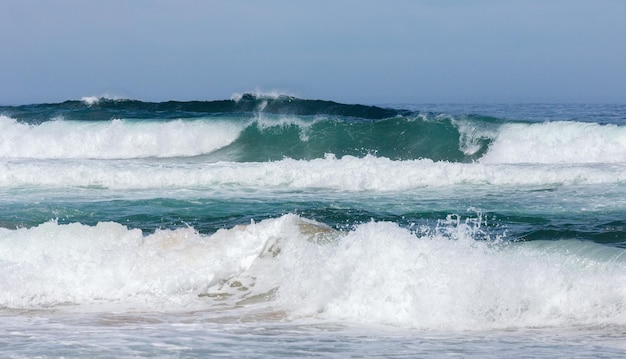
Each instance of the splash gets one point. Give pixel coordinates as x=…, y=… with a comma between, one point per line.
x=378, y=272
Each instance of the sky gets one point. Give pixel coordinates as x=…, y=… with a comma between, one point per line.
x=352, y=51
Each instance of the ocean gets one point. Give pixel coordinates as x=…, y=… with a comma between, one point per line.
x=266, y=226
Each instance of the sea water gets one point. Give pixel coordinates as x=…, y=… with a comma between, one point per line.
x=272, y=226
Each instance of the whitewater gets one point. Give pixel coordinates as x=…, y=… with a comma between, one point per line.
x=268, y=225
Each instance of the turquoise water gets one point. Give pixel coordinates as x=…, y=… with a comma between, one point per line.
x=275, y=226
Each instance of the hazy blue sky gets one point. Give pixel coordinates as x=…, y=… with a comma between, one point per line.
x=349, y=51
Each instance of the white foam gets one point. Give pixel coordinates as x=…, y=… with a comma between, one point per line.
x=381, y=273
x=90, y=100
x=558, y=142
x=349, y=173
x=440, y=278
x=260, y=94
x=114, y=139
x=52, y=264
x=472, y=133
x=93, y=100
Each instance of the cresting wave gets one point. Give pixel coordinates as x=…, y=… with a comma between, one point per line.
x=558, y=142
x=247, y=139
x=438, y=278
x=114, y=139
x=261, y=139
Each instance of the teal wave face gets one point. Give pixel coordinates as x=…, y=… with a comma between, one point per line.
x=398, y=138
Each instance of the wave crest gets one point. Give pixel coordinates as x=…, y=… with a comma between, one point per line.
x=116, y=139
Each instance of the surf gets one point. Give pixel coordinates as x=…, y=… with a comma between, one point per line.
x=257, y=138
x=348, y=174
x=115, y=139
x=558, y=142
x=376, y=273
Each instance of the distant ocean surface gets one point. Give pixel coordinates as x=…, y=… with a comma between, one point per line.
x=273, y=226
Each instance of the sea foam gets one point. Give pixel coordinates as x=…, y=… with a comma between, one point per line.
x=432, y=278
x=52, y=264
x=558, y=142
x=94, y=100
x=348, y=173
x=381, y=273
x=113, y=139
